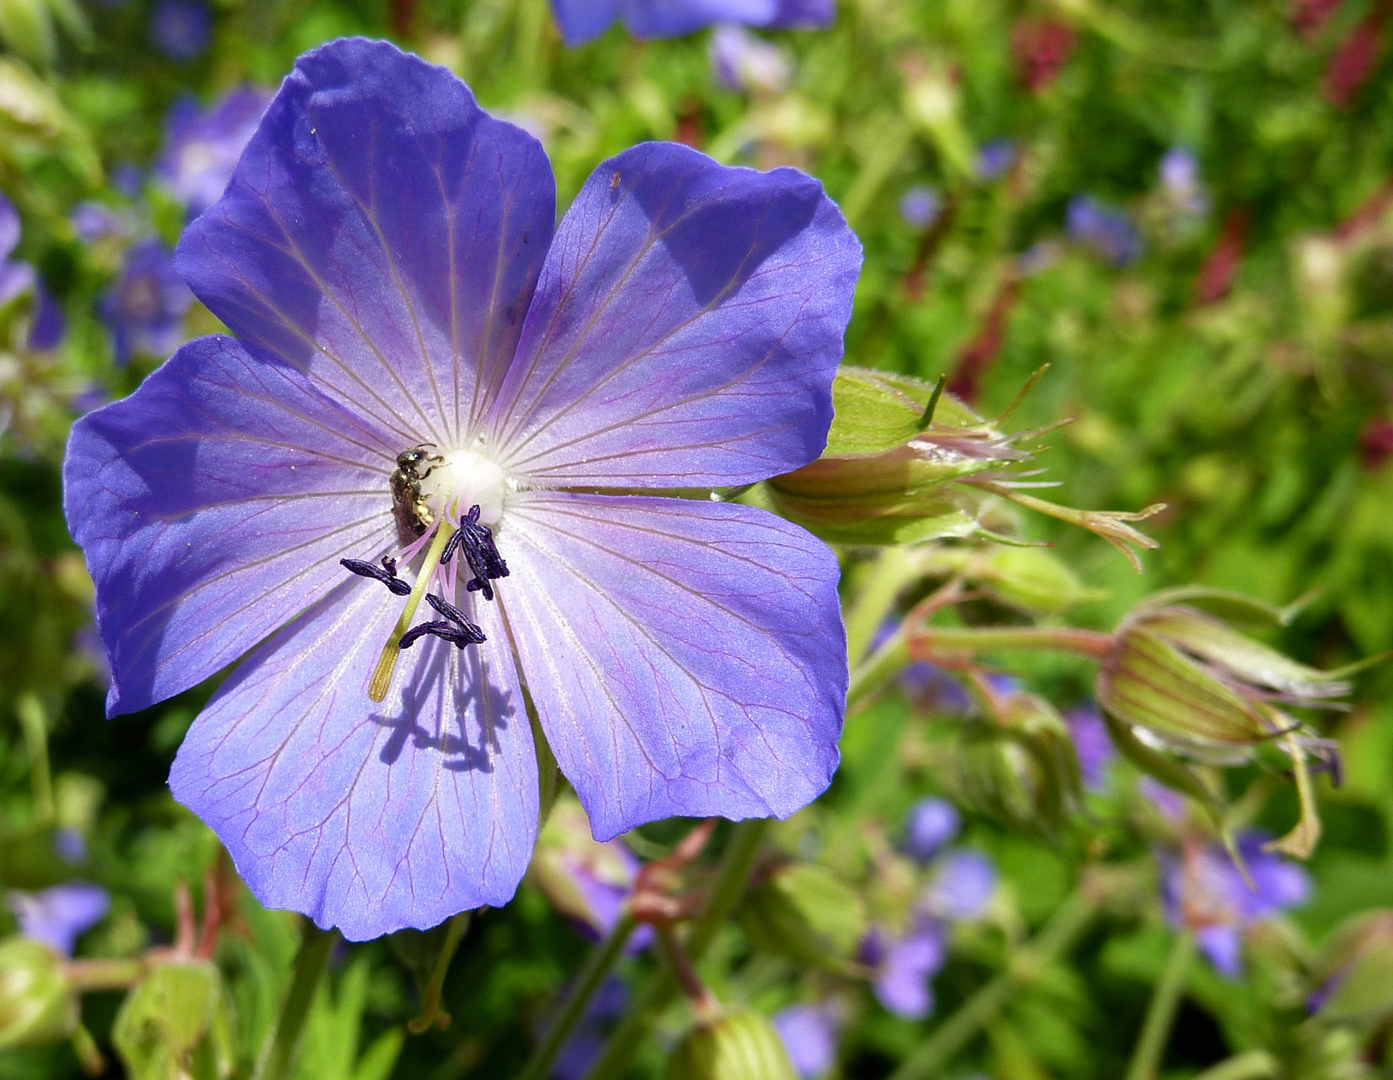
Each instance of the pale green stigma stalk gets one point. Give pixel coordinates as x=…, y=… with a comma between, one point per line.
x=381, y=680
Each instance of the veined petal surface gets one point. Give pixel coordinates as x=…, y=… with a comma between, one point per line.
x=685, y=329
x=213, y=504
x=382, y=232
x=368, y=817
x=686, y=658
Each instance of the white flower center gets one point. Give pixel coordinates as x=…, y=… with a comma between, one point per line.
x=466, y=479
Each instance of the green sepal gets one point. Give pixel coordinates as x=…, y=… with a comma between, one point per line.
x=1169, y=771
x=736, y=1045
x=877, y=411
x=175, y=1025
x=37, y=1007
x=804, y=913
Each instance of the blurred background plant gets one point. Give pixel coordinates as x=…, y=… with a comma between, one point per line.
x=1048, y=852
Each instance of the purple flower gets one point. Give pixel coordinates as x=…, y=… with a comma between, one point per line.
x=1202, y=888
x=931, y=824
x=809, y=1034
x=58, y=916
x=904, y=967
x=15, y=277
x=585, y=20
x=995, y=159
x=181, y=28
x=409, y=319
x=146, y=306
x=202, y=147
x=49, y=325
x=920, y=206
x=93, y=222
x=1180, y=171
x=1108, y=233
x=745, y=63
x=962, y=885
x=1091, y=744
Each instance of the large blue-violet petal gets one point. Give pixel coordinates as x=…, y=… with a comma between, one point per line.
x=383, y=233
x=686, y=658
x=685, y=329
x=368, y=817
x=213, y=504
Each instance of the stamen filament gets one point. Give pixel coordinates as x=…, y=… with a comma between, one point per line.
x=381, y=680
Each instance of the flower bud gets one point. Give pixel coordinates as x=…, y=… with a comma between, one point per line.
x=884, y=477
x=804, y=913
x=736, y=1045
x=175, y=1024
x=1192, y=683
x=37, y=1007
x=1354, y=976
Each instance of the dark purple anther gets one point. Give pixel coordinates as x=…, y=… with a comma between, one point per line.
x=457, y=636
x=480, y=553
x=455, y=615
x=387, y=576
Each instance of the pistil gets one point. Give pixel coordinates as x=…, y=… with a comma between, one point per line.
x=381, y=680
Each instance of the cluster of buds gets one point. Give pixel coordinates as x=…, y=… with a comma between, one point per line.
x=1179, y=686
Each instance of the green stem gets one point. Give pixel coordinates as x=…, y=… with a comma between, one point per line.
x=1052, y=942
x=1249, y=1065
x=1160, y=1014
x=735, y=866
x=892, y=570
x=88, y=975
x=31, y=720
x=877, y=670
x=598, y=965
x=278, y=1055
x=1091, y=643
x=430, y=998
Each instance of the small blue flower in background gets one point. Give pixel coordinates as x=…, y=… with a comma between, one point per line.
x=145, y=307
x=1202, y=889
x=585, y=20
x=387, y=255
x=1108, y=233
x=746, y=63
x=920, y=206
x=1092, y=745
x=962, y=885
x=905, y=966
x=809, y=1034
x=16, y=278
x=202, y=146
x=94, y=222
x=995, y=159
x=1179, y=171
x=182, y=28
x=60, y=915
x=931, y=824
x=49, y=325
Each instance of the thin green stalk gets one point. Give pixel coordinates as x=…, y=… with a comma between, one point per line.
x=430, y=997
x=1249, y=1065
x=283, y=1044
x=883, y=580
x=598, y=965
x=730, y=883
x=1160, y=1014
x=1052, y=942
x=877, y=670
x=88, y=975
x=31, y=720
